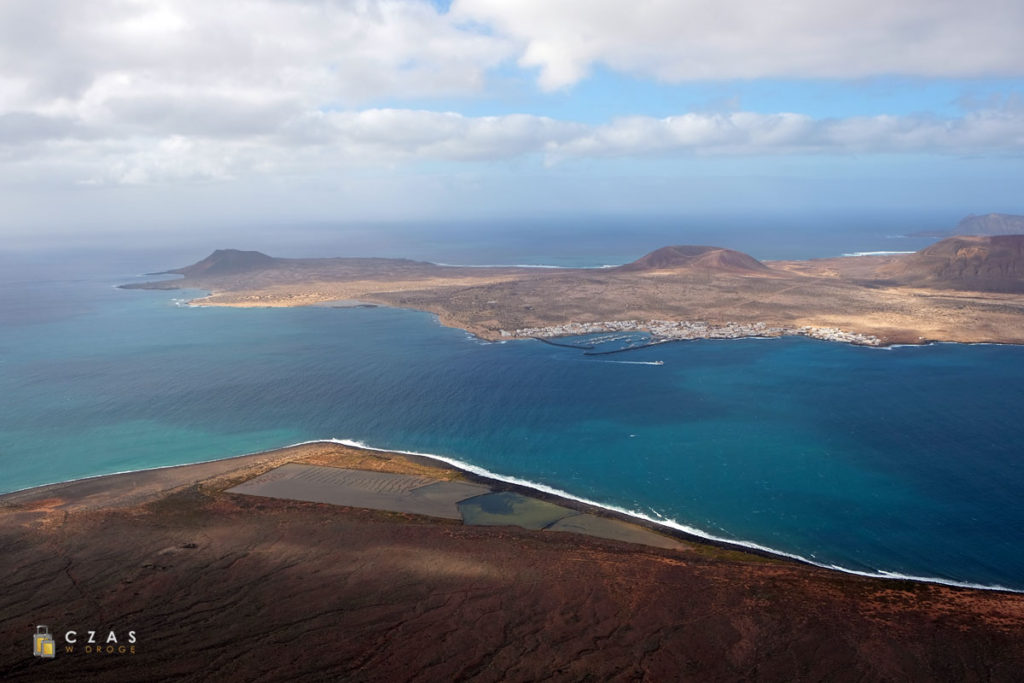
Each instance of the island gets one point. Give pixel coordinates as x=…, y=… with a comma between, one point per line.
x=325, y=561
x=962, y=289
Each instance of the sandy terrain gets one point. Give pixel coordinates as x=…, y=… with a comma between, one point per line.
x=847, y=293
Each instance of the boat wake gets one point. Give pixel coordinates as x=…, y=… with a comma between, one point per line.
x=631, y=362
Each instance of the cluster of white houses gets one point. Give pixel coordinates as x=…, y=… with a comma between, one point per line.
x=685, y=329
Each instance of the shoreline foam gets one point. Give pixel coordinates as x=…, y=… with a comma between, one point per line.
x=689, y=532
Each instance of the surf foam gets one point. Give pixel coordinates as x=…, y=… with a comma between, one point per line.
x=664, y=521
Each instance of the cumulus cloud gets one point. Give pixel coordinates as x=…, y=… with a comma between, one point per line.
x=685, y=40
x=391, y=133
x=179, y=91
x=67, y=54
x=323, y=142
x=989, y=131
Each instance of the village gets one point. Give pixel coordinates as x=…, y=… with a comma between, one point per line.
x=666, y=330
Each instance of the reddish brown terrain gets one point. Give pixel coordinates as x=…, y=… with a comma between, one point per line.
x=981, y=263
x=712, y=259
x=221, y=586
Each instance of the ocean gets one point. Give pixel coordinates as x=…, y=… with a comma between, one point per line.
x=901, y=462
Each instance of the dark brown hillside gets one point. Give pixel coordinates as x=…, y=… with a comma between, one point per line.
x=993, y=263
x=227, y=587
x=697, y=257
x=227, y=262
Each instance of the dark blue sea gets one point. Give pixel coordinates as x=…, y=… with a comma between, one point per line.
x=905, y=461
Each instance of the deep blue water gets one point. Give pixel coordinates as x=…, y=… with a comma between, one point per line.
x=905, y=460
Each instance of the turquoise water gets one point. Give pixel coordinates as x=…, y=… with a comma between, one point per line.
x=905, y=460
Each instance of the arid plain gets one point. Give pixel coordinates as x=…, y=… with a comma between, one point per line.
x=962, y=289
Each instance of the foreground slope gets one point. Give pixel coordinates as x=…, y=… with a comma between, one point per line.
x=233, y=587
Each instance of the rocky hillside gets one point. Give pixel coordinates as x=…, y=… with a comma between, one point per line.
x=698, y=258
x=227, y=262
x=993, y=263
x=991, y=224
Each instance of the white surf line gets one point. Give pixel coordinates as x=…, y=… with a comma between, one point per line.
x=670, y=523
x=926, y=344
x=631, y=362
x=520, y=265
x=878, y=253
x=544, y=488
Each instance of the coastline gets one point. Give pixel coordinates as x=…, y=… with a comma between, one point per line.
x=826, y=330
x=502, y=336
x=187, y=565
x=661, y=330
x=269, y=458
x=497, y=336
x=678, y=292
x=686, y=330
x=681, y=531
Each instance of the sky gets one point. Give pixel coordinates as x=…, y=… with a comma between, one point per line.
x=154, y=119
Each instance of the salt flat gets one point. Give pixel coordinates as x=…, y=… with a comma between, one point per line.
x=358, y=488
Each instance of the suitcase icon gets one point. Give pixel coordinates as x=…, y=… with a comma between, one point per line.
x=42, y=643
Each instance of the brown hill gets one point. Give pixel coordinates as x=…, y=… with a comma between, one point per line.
x=222, y=586
x=696, y=257
x=993, y=263
x=991, y=224
x=227, y=262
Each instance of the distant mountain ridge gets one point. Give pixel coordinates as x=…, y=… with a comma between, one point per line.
x=989, y=224
x=968, y=262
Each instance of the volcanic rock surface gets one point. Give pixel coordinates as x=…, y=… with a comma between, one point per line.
x=972, y=263
x=227, y=262
x=233, y=587
x=707, y=258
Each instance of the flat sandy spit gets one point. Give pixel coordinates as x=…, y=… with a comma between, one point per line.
x=414, y=494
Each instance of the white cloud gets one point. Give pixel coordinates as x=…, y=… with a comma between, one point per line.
x=401, y=134
x=746, y=133
x=67, y=54
x=181, y=91
x=684, y=40
x=324, y=143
